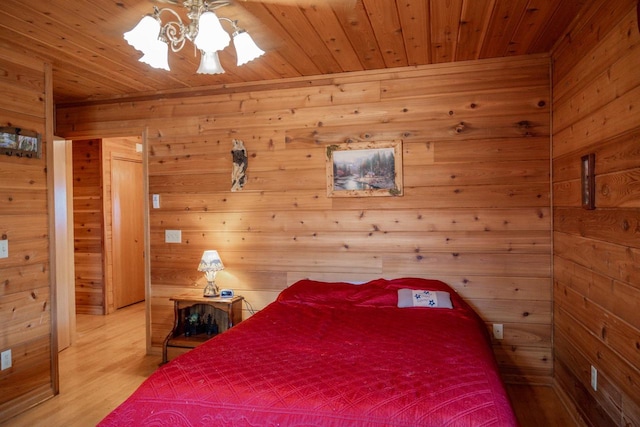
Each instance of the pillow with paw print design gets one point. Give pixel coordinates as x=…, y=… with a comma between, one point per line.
x=423, y=298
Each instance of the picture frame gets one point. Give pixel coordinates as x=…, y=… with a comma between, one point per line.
x=20, y=142
x=588, y=181
x=364, y=169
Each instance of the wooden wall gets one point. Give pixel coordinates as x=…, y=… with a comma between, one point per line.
x=92, y=219
x=596, y=88
x=25, y=289
x=88, y=226
x=475, y=211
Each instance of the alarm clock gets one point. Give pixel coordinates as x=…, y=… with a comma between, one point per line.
x=226, y=293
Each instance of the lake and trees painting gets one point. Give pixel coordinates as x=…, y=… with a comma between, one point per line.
x=364, y=169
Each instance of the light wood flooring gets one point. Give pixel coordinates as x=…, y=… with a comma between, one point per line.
x=108, y=362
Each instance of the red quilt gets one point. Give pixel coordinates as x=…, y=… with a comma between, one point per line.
x=333, y=354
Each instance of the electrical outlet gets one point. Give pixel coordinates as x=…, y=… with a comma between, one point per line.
x=4, y=248
x=173, y=236
x=594, y=378
x=498, y=332
x=5, y=356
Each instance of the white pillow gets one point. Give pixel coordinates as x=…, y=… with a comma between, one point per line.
x=423, y=298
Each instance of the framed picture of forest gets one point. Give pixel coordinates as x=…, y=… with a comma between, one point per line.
x=364, y=169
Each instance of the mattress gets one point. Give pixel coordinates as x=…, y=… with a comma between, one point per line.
x=335, y=354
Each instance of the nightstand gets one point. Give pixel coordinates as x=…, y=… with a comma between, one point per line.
x=199, y=318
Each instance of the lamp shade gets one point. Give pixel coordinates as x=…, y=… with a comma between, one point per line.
x=144, y=35
x=211, y=36
x=246, y=48
x=210, y=262
x=210, y=64
x=157, y=55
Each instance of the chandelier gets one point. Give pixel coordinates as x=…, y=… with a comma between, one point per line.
x=153, y=37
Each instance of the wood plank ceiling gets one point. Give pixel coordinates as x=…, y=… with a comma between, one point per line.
x=91, y=60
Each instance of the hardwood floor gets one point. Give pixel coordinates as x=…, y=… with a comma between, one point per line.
x=98, y=372
x=108, y=362
x=539, y=406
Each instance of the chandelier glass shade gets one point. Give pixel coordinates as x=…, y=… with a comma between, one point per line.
x=211, y=36
x=210, y=63
x=246, y=48
x=153, y=36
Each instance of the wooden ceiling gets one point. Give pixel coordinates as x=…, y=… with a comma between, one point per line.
x=83, y=39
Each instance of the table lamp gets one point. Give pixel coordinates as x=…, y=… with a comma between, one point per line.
x=210, y=264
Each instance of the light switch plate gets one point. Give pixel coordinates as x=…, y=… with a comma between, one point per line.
x=4, y=248
x=156, y=201
x=173, y=236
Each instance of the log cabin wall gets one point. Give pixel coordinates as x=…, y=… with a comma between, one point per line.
x=92, y=219
x=596, y=88
x=88, y=226
x=25, y=285
x=475, y=211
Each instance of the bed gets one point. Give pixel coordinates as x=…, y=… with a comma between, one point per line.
x=402, y=352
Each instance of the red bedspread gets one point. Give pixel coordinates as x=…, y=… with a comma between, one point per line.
x=333, y=354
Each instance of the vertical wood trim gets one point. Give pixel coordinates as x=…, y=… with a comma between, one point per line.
x=551, y=207
x=59, y=236
x=71, y=267
x=49, y=130
x=63, y=237
x=147, y=238
x=107, y=244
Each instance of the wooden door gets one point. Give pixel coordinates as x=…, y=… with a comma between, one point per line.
x=127, y=197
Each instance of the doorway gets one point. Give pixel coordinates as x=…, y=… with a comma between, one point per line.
x=109, y=237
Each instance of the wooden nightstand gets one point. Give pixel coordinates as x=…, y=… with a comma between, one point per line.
x=209, y=311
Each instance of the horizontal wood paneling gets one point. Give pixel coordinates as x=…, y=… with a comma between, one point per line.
x=475, y=211
x=88, y=227
x=596, y=252
x=533, y=219
x=25, y=286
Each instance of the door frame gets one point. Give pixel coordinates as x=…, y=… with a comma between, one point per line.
x=63, y=238
x=146, y=206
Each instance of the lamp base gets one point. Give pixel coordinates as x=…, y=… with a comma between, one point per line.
x=211, y=290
